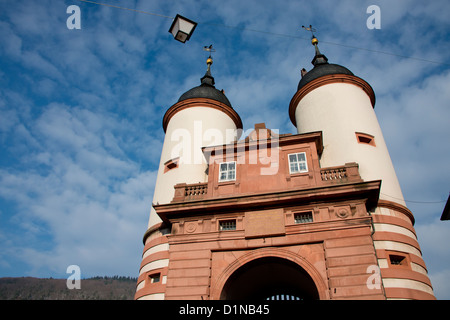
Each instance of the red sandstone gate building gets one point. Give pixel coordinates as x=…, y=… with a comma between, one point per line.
x=313, y=215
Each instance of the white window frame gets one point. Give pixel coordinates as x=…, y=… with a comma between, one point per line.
x=228, y=170
x=298, y=163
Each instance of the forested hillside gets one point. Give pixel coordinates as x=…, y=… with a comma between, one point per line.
x=97, y=288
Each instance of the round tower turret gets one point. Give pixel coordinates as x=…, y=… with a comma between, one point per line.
x=202, y=116
x=331, y=99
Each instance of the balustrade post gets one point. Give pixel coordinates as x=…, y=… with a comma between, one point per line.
x=352, y=171
x=179, y=192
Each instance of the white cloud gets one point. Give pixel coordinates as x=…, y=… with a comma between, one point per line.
x=433, y=237
x=91, y=196
x=85, y=217
x=439, y=280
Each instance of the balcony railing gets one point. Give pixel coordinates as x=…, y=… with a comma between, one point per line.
x=186, y=192
x=328, y=174
x=342, y=174
x=347, y=173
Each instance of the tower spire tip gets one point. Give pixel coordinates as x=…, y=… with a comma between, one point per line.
x=208, y=78
x=319, y=58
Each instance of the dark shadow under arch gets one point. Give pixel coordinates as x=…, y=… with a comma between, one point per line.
x=269, y=277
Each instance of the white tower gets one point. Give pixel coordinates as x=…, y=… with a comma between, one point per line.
x=202, y=116
x=331, y=99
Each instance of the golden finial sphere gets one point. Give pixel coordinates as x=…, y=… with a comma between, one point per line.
x=314, y=41
x=209, y=61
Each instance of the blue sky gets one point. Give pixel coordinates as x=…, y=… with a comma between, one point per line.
x=81, y=111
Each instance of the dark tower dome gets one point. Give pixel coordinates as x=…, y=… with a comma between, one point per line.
x=324, y=73
x=323, y=70
x=206, y=89
x=205, y=95
x=321, y=67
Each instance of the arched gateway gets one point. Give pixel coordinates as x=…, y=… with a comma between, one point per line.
x=269, y=278
x=269, y=273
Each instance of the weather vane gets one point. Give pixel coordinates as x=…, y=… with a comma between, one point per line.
x=209, y=49
x=314, y=40
x=310, y=28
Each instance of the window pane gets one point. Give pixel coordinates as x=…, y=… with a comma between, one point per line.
x=227, y=171
x=297, y=162
x=294, y=167
x=227, y=225
x=155, y=278
x=303, y=217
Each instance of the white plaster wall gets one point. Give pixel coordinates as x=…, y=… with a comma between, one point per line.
x=395, y=229
x=158, y=248
x=187, y=132
x=396, y=246
x=154, y=265
x=339, y=110
x=406, y=283
x=154, y=296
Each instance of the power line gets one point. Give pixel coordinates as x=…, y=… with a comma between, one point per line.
x=387, y=53
x=412, y=201
x=287, y=36
x=330, y=43
x=123, y=8
x=254, y=30
x=276, y=34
